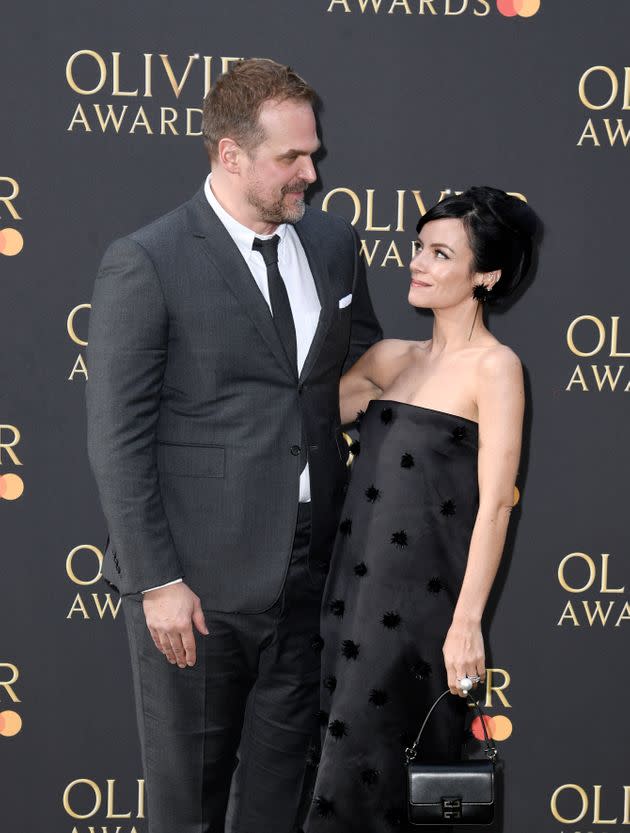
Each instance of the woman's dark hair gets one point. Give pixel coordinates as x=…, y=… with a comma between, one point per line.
x=500, y=229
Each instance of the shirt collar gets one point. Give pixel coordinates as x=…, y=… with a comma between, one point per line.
x=240, y=234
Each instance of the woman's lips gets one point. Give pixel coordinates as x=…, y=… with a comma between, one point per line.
x=416, y=282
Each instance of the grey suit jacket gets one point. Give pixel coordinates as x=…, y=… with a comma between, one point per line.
x=195, y=415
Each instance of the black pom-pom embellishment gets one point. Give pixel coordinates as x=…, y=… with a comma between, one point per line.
x=349, y=649
x=481, y=292
x=448, y=508
x=360, y=569
x=330, y=683
x=322, y=717
x=324, y=807
x=399, y=538
x=378, y=697
x=387, y=415
x=317, y=643
x=359, y=417
x=421, y=669
x=337, y=729
x=407, y=461
x=355, y=448
x=369, y=777
x=372, y=494
x=435, y=585
x=391, y=620
x=337, y=607
x=345, y=527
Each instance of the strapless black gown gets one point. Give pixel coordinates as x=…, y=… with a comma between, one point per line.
x=397, y=568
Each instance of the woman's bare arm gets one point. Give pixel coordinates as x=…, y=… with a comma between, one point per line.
x=500, y=401
x=370, y=376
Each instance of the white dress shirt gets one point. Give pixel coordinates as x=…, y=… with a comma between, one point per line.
x=298, y=279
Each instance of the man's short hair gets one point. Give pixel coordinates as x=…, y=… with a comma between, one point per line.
x=231, y=108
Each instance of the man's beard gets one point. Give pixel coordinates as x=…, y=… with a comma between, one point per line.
x=278, y=212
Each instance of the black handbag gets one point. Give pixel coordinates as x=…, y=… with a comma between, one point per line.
x=451, y=793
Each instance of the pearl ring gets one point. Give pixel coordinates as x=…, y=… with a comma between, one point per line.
x=466, y=683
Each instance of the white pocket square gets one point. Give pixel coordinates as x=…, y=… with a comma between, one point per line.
x=345, y=301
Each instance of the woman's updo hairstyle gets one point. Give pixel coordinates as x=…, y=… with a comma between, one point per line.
x=500, y=229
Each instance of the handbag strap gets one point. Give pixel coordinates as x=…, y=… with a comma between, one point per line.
x=490, y=750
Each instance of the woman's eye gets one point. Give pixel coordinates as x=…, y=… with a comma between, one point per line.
x=439, y=253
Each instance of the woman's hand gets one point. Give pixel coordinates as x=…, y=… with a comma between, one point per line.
x=464, y=654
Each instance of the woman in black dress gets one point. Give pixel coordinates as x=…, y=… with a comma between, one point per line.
x=425, y=517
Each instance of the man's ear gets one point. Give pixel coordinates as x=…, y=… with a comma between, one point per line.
x=229, y=155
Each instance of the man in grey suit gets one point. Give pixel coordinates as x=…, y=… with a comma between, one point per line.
x=218, y=335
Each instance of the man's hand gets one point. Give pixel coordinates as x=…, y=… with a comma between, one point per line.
x=170, y=613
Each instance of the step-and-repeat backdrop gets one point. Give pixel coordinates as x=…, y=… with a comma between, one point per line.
x=101, y=124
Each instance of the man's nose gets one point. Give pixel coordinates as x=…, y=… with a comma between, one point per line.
x=308, y=170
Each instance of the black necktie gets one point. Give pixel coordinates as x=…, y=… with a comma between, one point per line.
x=281, y=310
x=280, y=306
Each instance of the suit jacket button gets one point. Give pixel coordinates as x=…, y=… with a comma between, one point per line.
x=295, y=450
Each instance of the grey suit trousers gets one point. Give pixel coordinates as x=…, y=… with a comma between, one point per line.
x=253, y=691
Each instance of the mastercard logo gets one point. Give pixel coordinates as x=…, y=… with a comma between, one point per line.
x=520, y=8
x=11, y=486
x=10, y=724
x=498, y=727
x=11, y=242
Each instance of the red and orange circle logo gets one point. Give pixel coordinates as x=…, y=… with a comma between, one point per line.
x=522, y=8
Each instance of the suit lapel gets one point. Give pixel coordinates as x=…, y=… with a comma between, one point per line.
x=227, y=260
x=312, y=249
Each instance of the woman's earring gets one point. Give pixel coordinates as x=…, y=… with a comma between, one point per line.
x=481, y=292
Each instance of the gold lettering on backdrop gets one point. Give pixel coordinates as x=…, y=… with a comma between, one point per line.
x=614, y=337
x=79, y=117
x=141, y=120
x=589, y=133
x=111, y=116
x=168, y=122
x=8, y=684
x=98, y=798
x=8, y=200
x=597, y=807
x=583, y=798
x=601, y=332
x=101, y=68
x=102, y=609
x=369, y=222
x=592, y=573
x=569, y=613
x=110, y=802
x=376, y=4
x=461, y=10
x=78, y=607
x=429, y=5
x=577, y=379
x=116, y=77
x=404, y=4
x=189, y=130
x=619, y=132
x=614, y=87
x=606, y=377
x=70, y=324
x=493, y=688
x=366, y=253
x=79, y=367
x=9, y=445
x=177, y=86
x=70, y=565
x=392, y=254
x=350, y=193
x=148, y=75
x=486, y=9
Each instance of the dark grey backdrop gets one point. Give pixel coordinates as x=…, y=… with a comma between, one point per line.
x=412, y=101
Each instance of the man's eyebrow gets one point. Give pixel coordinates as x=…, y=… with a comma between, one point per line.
x=298, y=152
